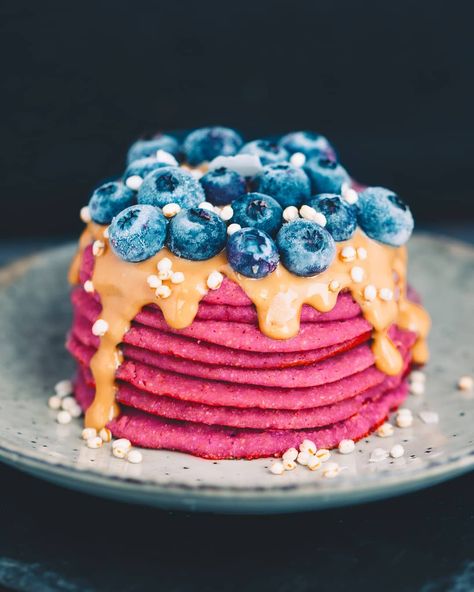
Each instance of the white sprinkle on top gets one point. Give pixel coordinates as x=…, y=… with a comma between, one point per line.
x=98, y=247
x=290, y=213
x=226, y=213
x=164, y=264
x=163, y=291
x=362, y=253
x=153, y=281
x=214, y=280
x=309, y=213
x=357, y=274
x=233, y=228
x=134, y=182
x=85, y=214
x=170, y=210
x=370, y=293
x=298, y=159
x=348, y=194
x=88, y=286
x=348, y=253
x=100, y=328
x=385, y=294
x=177, y=277
x=334, y=285
x=206, y=205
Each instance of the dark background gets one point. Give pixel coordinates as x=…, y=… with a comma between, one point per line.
x=390, y=83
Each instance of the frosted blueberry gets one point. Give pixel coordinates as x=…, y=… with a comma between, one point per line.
x=170, y=185
x=204, y=144
x=196, y=234
x=137, y=233
x=108, y=200
x=289, y=185
x=309, y=143
x=266, y=150
x=384, y=216
x=222, y=186
x=326, y=175
x=252, y=253
x=257, y=210
x=146, y=148
x=142, y=167
x=341, y=218
x=305, y=247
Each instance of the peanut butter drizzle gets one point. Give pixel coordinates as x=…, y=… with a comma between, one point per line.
x=278, y=298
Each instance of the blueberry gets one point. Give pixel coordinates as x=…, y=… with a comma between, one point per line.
x=222, y=186
x=289, y=185
x=341, y=217
x=309, y=143
x=108, y=200
x=257, y=210
x=384, y=216
x=326, y=175
x=142, y=167
x=204, y=144
x=170, y=185
x=252, y=253
x=267, y=150
x=137, y=233
x=196, y=234
x=147, y=148
x=306, y=248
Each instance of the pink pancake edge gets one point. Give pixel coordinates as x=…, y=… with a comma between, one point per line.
x=214, y=442
x=255, y=418
x=219, y=393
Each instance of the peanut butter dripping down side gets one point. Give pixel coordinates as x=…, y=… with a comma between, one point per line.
x=278, y=298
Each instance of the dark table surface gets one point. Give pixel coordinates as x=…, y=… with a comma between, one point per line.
x=54, y=539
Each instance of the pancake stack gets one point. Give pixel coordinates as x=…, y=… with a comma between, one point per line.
x=221, y=389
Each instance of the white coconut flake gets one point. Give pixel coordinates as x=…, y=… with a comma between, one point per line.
x=247, y=165
x=134, y=182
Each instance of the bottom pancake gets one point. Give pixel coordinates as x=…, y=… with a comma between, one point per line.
x=217, y=442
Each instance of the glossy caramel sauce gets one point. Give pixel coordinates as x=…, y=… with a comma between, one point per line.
x=278, y=298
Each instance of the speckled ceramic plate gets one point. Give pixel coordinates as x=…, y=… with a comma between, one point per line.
x=35, y=315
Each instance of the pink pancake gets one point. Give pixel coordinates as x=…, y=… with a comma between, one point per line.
x=219, y=442
x=208, y=353
x=248, y=337
x=345, y=308
x=236, y=417
x=159, y=382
